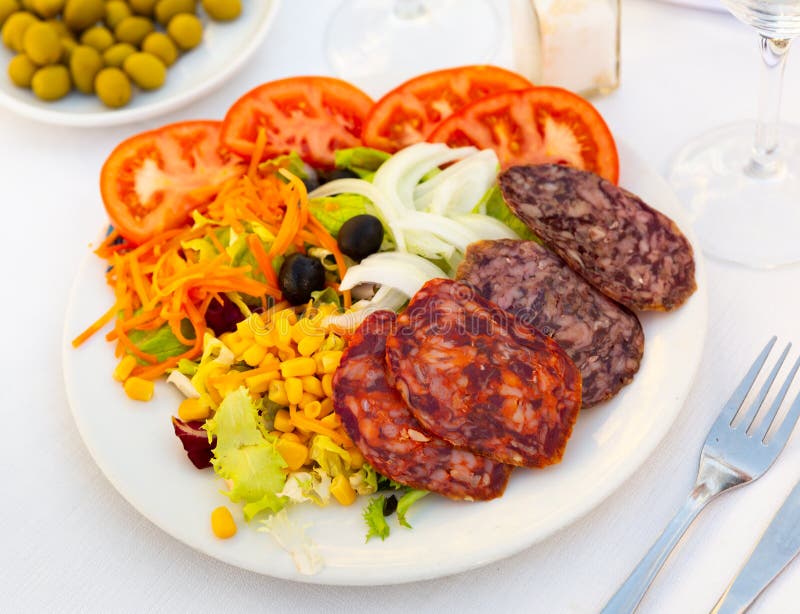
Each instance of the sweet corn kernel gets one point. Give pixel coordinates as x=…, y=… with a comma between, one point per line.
x=254, y=355
x=287, y=315
x=139, y=389
x=312, y=410
x=327, y=407
x=290, y=437
x=356, y=458
x=270, y=360
x=287, y=354
x=124, y=368
x=266, y=337
x=228, y=338
x=294, y=390
x=193, y=409
x=332, y=421
x=308, y=345
x=245, y=329
x=327, y=384
x=222, y=523
x=312, y=385
x=276, y=434
x=328, y=361
x=240, y=346
x=260, y=383
x=298, y=367
x=305, y=328
x=341, y=489
x=306, y=399
x=293, y=452
x=283, y=421
x=277, y=392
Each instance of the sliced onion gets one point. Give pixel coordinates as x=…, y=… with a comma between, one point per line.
x=442, y=227
x=404, y=272
x=485, y=227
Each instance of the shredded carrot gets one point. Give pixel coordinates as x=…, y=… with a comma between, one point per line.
x=310, y=424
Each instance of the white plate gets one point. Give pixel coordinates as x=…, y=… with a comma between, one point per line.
x=134, y=446
x=224, y=50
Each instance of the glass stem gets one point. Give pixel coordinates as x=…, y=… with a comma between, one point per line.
x=409, y=9
x=765, y=160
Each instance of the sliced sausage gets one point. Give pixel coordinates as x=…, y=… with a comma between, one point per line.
x=481, y=379
x=390, y=438
x=603, y=338
x=629, y=251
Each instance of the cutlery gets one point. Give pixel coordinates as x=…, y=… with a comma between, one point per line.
x=778, y=546
x=733, y=455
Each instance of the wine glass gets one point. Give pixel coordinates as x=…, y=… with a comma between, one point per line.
x=742, y=181
x=378, y=44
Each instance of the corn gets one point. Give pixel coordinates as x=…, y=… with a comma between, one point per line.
x=222, y=523
x=305, y=328
x=327, y=384
x=283, y=421
x=306, y=399
x=277, y=392
x=254, y=355
x=341, y=489
x=312, y=410
x=287, y=354
x=266, y=337
x=270, y=360
x=245, y=329
x=312, y=385
x=294, y=390
x=332, y=421
x=298, y=367
x=286, y=315
x=290, y=437
x=229, y=338
x=124, y=368
x=294, y=453
x=356, y=458
x=327, y=407
x=308, y=345
x=193, y=409
x=328, y=361
x=139, y=389
x=260, y=383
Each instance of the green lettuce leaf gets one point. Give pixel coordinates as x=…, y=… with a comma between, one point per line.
x=406, y=501
x=333, y=211
x=292, y=162
x=497, y=208
x=363, y=161
x=161, y=342
x=332, y=459
x=246, y=456
x=376, y=522
x=328, y=295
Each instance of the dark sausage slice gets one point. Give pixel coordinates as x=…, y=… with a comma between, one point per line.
x=603, y=338
x=390, y=438
x=627, y=250
x=481, y=379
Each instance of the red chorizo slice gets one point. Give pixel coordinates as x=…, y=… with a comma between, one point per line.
x=624, y=248
x=390, y=438
x=478, y=377
x=603, y=338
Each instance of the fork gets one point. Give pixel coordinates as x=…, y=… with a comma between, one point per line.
x=732, y=455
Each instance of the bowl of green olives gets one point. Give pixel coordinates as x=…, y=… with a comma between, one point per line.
x=110, y=62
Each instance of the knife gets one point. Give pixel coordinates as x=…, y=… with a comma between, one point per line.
x=779, y=544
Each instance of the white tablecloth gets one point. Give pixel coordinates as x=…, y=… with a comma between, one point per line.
x=71, y=543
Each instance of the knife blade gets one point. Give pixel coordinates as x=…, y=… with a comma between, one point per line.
x=778, y=546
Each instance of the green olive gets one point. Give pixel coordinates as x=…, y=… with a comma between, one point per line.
x=14, y=29
x=223, y=10
x=116, y=54
x=51, y=82
x=84, y=64
x=21, y=69
x=81, y=14
x=60, y=27
x=68, y=45
x=167, y=9
x=113, y=87
x=48, y=8
x=145, y=70
x=161, y=46
x=186, y=30
x=143, y=7
x=116, y=11
x=42, y=44
x=98, y=37
x=133, y=30
x=8, y=8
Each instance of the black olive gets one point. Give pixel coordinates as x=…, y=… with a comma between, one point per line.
x=336, y=173
x=389, y=505
x=299, y=277
x=361, y=236
x=222, y=318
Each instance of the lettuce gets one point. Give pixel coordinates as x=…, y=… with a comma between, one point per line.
x=332, y=459
x=497, y=208
x=375, y=520
x=161, y=342
x=245, y=455
x=363, y=161
x=406, y=501
x=292, y=162
x=333, y=211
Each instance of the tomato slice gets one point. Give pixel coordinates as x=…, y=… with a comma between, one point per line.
x=153, y=181
x=313, y=116
x=536, y=126
x=410, y=112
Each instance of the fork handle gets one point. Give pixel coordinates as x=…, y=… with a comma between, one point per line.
x=627, y=598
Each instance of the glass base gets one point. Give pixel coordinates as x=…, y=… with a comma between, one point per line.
x=738, y=217
x=376, y=45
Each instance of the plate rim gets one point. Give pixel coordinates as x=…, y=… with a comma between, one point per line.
x=634, y=461
x=104, y=119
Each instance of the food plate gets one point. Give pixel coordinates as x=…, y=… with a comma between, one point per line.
x=134, y=446
x=224, y=50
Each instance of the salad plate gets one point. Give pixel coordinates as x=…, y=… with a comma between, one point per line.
x=225, y=48
x=134, y=445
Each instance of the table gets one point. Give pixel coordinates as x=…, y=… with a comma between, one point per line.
x=71, y=543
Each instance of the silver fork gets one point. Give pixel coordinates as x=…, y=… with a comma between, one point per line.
x=732, y=455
